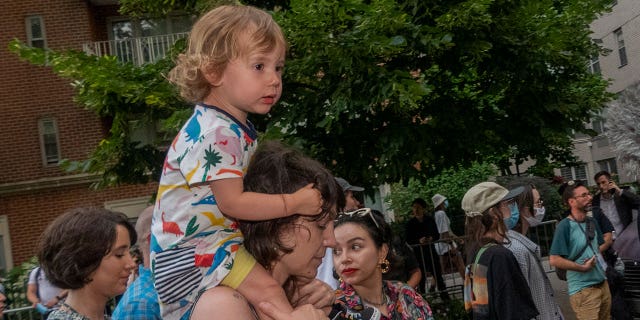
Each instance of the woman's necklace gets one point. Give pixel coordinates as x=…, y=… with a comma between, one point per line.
x=384, y=301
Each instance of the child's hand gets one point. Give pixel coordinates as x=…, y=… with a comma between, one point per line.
x=316, y=293
x=307, y=312
x=307, y=200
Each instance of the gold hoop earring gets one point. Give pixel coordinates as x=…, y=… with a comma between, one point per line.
x=385, y=266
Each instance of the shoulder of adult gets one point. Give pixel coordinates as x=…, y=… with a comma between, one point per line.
x=563, y=223
x=34, y=274
x=601, y=221
x=228, y=303
x=563, y=227
x=396, y=284
x=628, y=195
x=500, y=257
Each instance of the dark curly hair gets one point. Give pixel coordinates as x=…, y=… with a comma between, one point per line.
x=73, y=245
x=277, y=169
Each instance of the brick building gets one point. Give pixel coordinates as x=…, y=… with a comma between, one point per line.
x=42, y=125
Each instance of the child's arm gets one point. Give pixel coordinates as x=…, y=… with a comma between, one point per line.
x=234, y=202
x=258, y=287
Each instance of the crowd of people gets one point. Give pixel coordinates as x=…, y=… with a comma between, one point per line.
x=247, y=232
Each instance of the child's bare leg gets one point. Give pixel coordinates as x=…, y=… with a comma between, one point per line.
x=259, y=286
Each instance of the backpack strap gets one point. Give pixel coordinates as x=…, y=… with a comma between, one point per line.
x=479, y=254
x=591, y=222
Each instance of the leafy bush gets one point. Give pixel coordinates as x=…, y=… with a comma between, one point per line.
x=15, y=284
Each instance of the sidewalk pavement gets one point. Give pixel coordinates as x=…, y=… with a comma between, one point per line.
x=560, y=291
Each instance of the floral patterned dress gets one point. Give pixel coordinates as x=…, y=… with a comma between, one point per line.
x=404, y=303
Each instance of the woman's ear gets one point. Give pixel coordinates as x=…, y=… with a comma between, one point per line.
x=384, y=251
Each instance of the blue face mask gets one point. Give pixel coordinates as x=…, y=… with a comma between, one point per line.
x=512, y=220
x=446, y=203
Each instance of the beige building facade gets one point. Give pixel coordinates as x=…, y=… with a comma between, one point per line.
x=617, y=31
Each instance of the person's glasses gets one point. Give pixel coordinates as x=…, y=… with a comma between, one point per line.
x=360, y=213
x=584, y=195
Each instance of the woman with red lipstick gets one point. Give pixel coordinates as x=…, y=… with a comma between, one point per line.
x=86, y=250
x=360, y=257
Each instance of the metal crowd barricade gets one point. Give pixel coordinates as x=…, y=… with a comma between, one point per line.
x=542, y=235
x=21, y=313
x=453, y=281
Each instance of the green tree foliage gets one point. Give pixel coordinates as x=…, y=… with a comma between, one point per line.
x=404, y=90
x=382, y=90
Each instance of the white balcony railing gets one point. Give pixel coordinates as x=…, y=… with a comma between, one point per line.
x=135, y=50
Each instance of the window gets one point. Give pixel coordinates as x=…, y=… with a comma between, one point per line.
x=598, y=126
x=622, y=52
x=608, y=165
x=35, y=32
x=594, y=65
x=49, y=141
x=574, y=173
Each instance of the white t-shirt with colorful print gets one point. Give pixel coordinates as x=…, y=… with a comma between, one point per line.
x=193, y=244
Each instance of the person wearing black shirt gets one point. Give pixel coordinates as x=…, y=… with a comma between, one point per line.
x=421, y=231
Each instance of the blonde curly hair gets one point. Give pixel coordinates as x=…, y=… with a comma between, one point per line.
x=215, y=40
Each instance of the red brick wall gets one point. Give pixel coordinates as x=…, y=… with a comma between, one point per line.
x=29, y=93
x=32, y=92
x=29, y=213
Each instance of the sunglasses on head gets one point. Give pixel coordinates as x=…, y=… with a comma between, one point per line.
x=360, y=213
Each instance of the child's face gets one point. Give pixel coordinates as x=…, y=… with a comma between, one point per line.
x=251, y=83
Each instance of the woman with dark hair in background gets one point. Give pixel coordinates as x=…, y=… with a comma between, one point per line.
x=360, y=258
x=86, y=250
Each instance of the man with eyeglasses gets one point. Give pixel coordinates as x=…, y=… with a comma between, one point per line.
x=575, y=248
